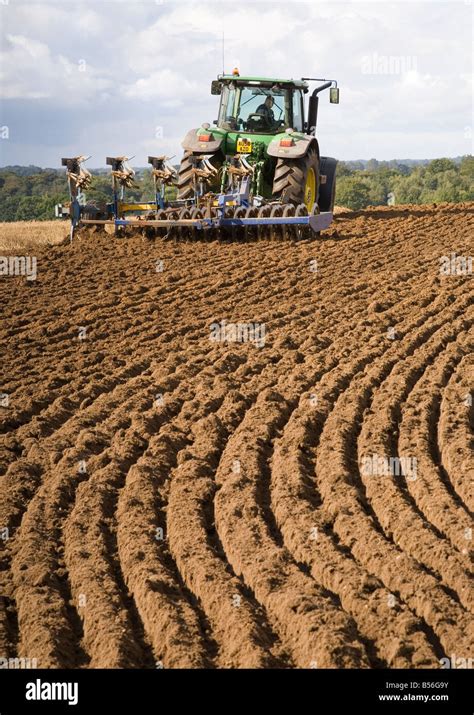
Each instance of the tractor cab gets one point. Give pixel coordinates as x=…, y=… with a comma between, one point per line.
x=259, y=106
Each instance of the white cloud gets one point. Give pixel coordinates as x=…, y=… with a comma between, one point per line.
x=31, y=71
x=92, y=23
x=36, y=50
x=173, y=88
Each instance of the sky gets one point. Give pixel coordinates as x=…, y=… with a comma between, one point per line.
x=119, y=77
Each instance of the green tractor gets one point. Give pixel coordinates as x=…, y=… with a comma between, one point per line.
x=258, y=172
x=262, y=132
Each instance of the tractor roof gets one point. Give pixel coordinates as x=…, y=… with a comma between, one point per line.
x=266, y=81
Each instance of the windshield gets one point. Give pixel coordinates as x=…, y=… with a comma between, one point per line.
x=259, y=109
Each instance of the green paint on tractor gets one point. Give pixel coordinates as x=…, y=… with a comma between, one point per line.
x=262, y=129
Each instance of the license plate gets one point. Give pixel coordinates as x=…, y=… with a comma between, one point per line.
x=244, y=146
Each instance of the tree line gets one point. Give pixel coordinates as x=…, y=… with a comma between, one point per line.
x=30, y=193
x=394, y=183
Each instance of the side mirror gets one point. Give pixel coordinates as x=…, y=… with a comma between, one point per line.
x=214, y=121
x=334, y=95
x=216, y=87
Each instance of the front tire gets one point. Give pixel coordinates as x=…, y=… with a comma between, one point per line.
x=186, y=177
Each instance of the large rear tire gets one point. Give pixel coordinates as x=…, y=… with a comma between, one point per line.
x=296, y=181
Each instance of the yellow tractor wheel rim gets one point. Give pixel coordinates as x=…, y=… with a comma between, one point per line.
x=310, y=189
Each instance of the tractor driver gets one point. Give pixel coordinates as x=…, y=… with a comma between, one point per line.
x=266, y=110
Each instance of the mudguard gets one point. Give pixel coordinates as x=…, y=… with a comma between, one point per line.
x=191, y=142
x=302, y=142
x=327, y=172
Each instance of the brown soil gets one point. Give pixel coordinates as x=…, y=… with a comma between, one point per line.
x=177, y=502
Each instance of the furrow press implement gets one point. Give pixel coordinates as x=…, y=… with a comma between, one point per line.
x=253, y=175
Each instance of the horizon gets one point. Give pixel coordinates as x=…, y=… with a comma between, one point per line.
x=139, y=167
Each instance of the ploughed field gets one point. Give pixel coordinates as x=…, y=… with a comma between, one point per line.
x=222, y=454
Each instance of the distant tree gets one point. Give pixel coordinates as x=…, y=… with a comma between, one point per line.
x=372, y=165
x=377, y=191
x=342, y=169
x=356, y=165
x=352, y=192
x=438, y=165
x=13, y=184
x=407, y=190
x=431, y=182
x=403, y=169
x=466, y=167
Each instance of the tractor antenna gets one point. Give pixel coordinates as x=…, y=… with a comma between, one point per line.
x=223, y=64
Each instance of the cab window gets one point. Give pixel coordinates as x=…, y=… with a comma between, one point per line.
x=227, y=114
x=262, y=110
